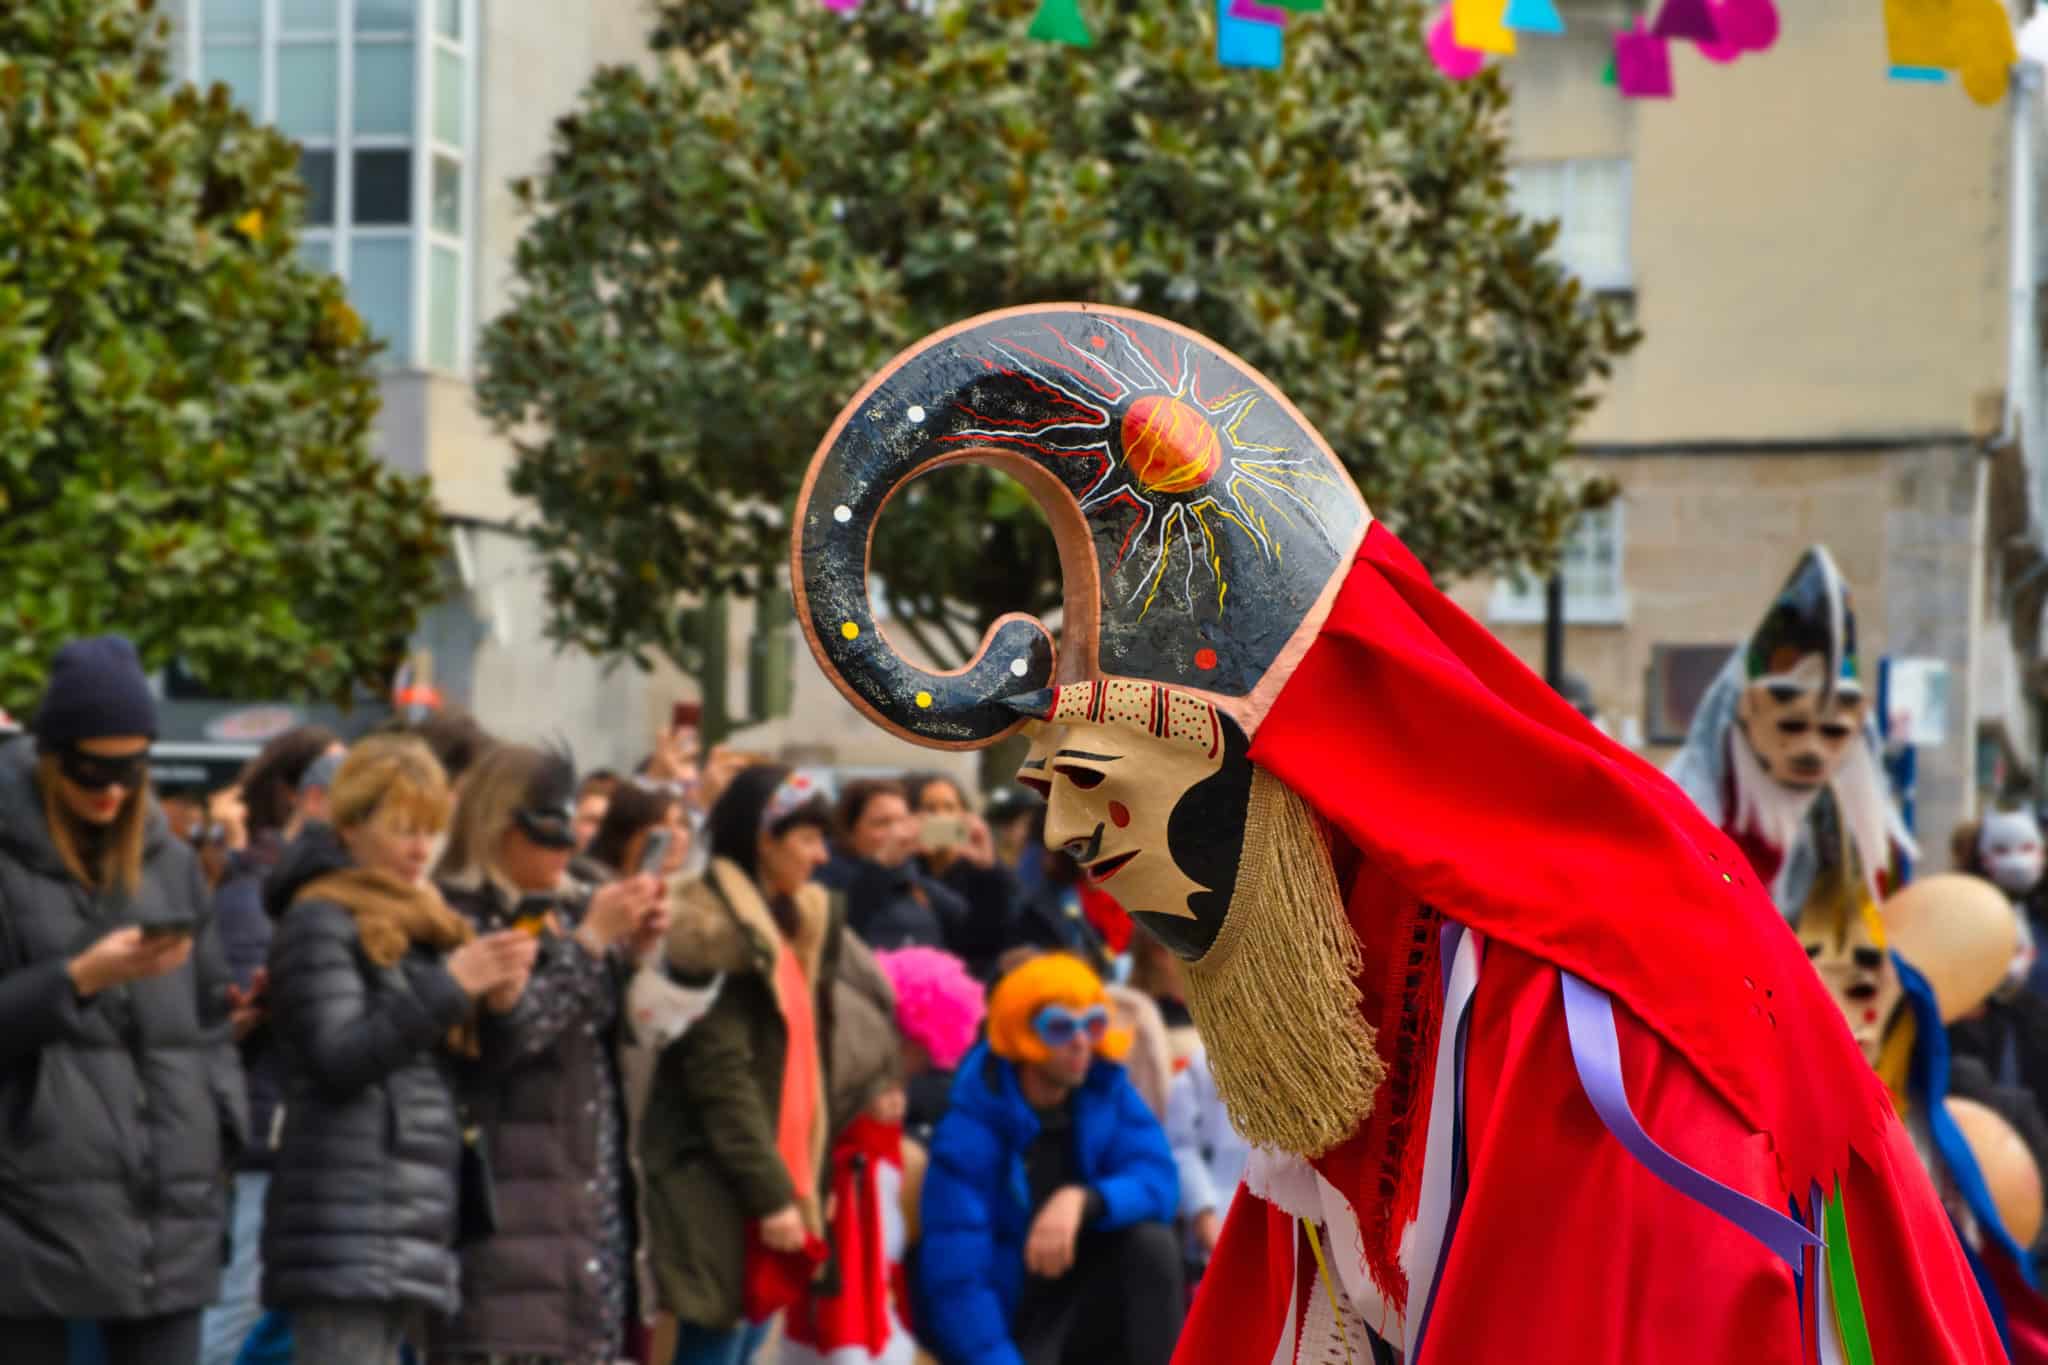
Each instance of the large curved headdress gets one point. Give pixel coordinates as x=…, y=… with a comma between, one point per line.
x=1203, y=525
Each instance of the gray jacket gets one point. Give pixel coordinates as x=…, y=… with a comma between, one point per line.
x=119, y=1115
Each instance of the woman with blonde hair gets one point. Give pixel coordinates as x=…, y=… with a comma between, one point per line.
x=374, y=991
x=551, y=1285
x=121, y=1094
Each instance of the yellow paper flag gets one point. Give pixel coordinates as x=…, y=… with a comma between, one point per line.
x=1478, y=25
x=1984, y=49
x=1920, y=32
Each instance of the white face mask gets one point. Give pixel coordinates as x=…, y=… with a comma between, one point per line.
x=2009, y=846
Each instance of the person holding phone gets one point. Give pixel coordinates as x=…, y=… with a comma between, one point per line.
x=380, y=996
x=120, y=1093
x=638, y=812
x=551, y=1284
x=958, y=851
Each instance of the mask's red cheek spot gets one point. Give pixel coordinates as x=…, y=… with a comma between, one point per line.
x=1119, y=814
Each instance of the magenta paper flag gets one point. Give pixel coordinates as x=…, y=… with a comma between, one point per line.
x=1252, y=12
x=1686, y=19
x=1751, y=25
x=1642, y=65
x=1726, y=49
x=1459, y=63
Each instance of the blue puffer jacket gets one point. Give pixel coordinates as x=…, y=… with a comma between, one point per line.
x=977, y=1209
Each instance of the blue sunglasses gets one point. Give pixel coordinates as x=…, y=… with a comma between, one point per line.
x=1056, y=1025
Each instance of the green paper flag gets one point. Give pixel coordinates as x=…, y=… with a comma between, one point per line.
x=1607, y=77
x=1060, y=21
x=1298, y=6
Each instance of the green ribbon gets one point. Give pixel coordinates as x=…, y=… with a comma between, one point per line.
x=1842, y=1290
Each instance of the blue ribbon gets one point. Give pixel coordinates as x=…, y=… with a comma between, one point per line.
x=1596, y=1053
x=1927, y=1078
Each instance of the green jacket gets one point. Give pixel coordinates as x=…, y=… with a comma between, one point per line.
x=707, y=1140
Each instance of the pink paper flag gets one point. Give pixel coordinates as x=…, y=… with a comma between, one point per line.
x=1458, y=63
x=1727, y=49
x=1686, y=19
x=1252, y=12
x=1642, y=65
x=1751, y=25
x=843, y=6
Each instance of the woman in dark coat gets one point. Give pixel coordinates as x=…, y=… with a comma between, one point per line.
x=374, y=983
x=119, y=1089
x=552, y=1285
x=735, y=1134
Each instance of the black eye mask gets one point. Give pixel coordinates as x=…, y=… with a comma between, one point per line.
x=97, y=772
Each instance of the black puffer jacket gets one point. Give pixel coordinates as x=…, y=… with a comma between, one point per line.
x=119, y=1115
x=361, y=1206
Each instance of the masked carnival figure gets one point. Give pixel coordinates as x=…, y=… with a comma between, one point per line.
x=1532, y=1069
x=1786, y=724
x=1901, y=977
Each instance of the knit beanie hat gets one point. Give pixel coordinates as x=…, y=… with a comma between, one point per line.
x=97, y=690
x=1048, y=979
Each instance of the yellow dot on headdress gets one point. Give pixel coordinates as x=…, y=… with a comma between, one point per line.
x=923, y=699
x=850, y=630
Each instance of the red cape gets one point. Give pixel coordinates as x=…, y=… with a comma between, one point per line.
x=1464, y=782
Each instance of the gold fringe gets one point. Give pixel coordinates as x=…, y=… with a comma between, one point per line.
x=1276, y=997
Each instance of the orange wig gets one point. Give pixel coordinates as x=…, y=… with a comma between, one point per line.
x=1048, y=979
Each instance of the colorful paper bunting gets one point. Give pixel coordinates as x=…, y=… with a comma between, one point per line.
x=1642, y=65
x=1919, y=75
x=1458, y=63
x=1060, y=21
x=1252, y=12
x=1607, y=76
x=1239, y=42
x=1477, y=24
x=1690, y=19
x=1299, y=6
x=1533, y=16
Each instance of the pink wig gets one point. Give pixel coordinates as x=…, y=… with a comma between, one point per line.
x=938, y=1005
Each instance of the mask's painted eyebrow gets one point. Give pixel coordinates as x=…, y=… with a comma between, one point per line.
x=1035, y=765
x=1083, y=754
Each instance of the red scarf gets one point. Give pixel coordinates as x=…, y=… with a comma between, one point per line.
x=857, y=1316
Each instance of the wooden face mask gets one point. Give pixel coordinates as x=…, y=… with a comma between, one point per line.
x=1804, y=705
x=1147, y=789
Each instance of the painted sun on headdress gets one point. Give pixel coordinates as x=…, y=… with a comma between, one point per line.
x=1167, y=456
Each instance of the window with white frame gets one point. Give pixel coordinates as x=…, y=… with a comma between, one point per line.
x=1591, y=564
x=380, y=96
x=1589, y=200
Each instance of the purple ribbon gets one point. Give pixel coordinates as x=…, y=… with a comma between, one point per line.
x=1596, y=1052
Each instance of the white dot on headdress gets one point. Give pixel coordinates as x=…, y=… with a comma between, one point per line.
x=916, y=413
x=842, y=514
x=1019, y=667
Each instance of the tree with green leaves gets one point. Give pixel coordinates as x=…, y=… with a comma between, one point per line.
x=723, y=247
x=185, y=409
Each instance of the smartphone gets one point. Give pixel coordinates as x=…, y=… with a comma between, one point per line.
x=656, y=852
x=685, y=715
x=530, y=916
x=170, y=928
x=943, y=831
